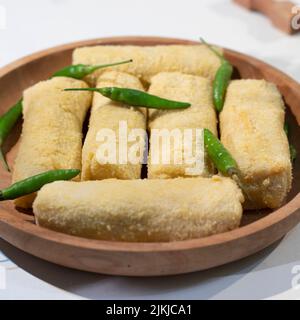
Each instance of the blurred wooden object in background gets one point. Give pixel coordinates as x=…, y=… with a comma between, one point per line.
x=284, y=15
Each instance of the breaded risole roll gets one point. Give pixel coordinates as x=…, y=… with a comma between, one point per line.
x=197, y=91
x=52, y=130
x=150, y=60
x=140, y=210
x=251, y=125
x=107, y=115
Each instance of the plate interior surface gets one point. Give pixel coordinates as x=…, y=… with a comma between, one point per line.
x=258, y=230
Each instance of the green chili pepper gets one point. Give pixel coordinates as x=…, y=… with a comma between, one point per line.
x=221, y=157
x=221, y=80
x=134, y=97
x=7, y=122
x=79, y=71
x=293, y=151
x=34, y=183
x=286, y=129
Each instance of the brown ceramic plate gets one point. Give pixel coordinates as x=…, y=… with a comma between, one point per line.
x=259, y=229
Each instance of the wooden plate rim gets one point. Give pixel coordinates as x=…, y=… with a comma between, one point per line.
x=291, y=208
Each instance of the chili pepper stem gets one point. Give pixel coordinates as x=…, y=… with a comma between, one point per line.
x=212, y=49
x=99, y=66
x=238, y=181
x=79, y=71
x=81, y=89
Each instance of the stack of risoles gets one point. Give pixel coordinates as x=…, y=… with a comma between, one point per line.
x=111, y=201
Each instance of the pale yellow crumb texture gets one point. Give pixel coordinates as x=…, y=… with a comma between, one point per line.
x=251, y=125
x=140, y=210
x=106, y=114
x=52, y=130
x=187, y=88
x=150, y=60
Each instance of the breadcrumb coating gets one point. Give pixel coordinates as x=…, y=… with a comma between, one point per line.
x=106, y=114
x=52, y=130
x=251, y=125
x=150, y=60
x=140, y=210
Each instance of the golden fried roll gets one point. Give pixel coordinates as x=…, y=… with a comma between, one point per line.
x=140, y=210
x=115, y=117
x=251, y=126
x=52, y=130
x=148, y=61
x=197, y=91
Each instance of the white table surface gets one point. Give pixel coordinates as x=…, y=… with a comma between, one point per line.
x=33, y=25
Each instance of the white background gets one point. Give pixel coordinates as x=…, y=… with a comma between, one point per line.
x=33, y=25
